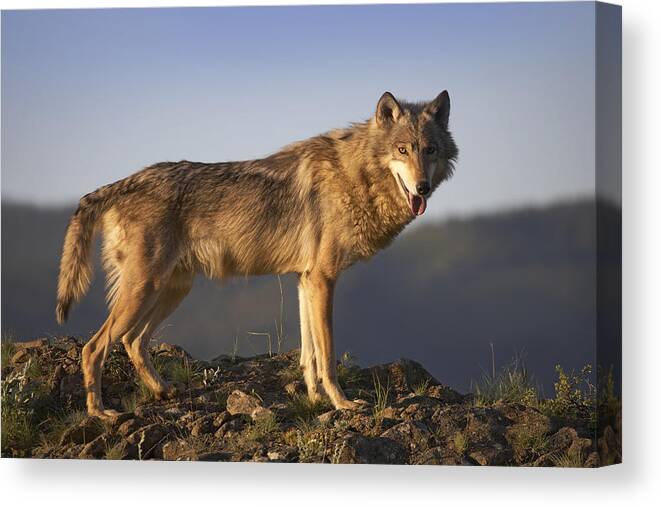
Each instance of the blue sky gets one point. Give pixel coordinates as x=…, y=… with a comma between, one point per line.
x=90, y=96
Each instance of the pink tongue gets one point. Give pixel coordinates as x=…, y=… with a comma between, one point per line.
x=418, y=204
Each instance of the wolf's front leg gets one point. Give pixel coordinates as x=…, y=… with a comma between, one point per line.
x=319, y=289
x=308, y=360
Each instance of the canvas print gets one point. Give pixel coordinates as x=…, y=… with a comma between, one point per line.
x=367, y=234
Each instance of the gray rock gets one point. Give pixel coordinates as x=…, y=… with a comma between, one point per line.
x=441, y=455
x=562, y=439
x=494, y=455
x=130, y=426
x=221, y=419
x=203, y=425
x=146, y=443
x=412, y=435
x=20, y=356
x=357, y=448
x=83, y=432
x=239, y=402
x=32, y=344
x=96, y=449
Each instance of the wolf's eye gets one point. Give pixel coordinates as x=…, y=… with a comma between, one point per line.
x=430, y=149
x=402, y=151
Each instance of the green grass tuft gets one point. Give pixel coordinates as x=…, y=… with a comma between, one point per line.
x=306, y=410
x=568, y=460
x=7, y=350
x=381, y=395
x=460, y=443
x=512, y=384
x=263, y=427
x=420, y=389
x=348, y=372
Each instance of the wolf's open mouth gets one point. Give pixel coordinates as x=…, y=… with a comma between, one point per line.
x=417, y=203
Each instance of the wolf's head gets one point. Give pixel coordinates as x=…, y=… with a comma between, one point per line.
x=418, y=148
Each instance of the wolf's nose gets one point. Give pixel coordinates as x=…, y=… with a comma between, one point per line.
x=422, y=188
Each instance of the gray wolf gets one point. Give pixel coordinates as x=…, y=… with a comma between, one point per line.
x=314, y=208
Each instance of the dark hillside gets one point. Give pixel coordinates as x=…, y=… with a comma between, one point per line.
x=522, y=280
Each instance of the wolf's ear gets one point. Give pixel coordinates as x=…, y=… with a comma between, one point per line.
x=388, y=110
x=439, y=109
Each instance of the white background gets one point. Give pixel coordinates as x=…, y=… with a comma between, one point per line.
x=636, y=482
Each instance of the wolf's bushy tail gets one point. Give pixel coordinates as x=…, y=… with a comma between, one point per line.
x=76, y=263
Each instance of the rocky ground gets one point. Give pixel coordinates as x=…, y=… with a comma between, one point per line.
x=255, y=409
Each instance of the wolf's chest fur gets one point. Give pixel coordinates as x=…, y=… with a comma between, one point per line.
x=376, y=213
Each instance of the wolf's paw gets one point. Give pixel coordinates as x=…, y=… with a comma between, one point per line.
x=171, y=391
x=349, y=405
x=105, y=415
x=314, y=396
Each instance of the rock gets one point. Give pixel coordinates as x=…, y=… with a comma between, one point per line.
x=96, y=449
x=73, y=354
x=130, y=426
x=261, y=413
x=239, y=402
x=20, y=356
x=148, y=412
x=357, y=421
x=357, y=448
x=175, y=412
x=412, y=435
x=390, y=413
x=562, y=439
x=146, y=442
x=495, y=455
x=421, y=423
x=122, y=418
x=417, y=407
x=214, y=456
x=294, y=387
x=71, y=367
x=83, y=432
x=485, y=426
x=65, y=343
x=444, y=394
x=33, y=344
x=447, y=421
x=328, y=417
x=221, y=419
x=441, y=455
x=174, y=350
x=202, y=399
x=189, y=417
x=401, y=377
x=592, y=460
x=173, y=451
x=233, y=425
x=203, y=425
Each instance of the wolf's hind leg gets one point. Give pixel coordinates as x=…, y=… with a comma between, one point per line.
x=308, y=362
x=127, y=310
x=136, y=342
